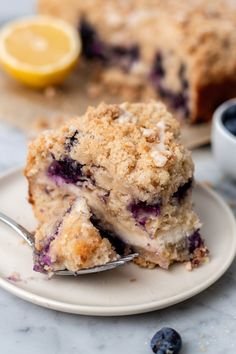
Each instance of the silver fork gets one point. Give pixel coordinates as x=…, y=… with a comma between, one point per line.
x=27, y=236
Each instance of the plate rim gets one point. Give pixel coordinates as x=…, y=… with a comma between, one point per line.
x=124, y=309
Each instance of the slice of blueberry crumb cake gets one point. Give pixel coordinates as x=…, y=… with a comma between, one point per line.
x=126, y=165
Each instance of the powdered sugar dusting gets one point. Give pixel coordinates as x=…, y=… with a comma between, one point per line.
x=147, y=132
x=126, y=117
x=161, y=127
x=160, y=152
x=81, y=206
x=15, y=277
x=159, y=158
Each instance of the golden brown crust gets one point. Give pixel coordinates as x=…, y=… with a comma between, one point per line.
x=144, y=263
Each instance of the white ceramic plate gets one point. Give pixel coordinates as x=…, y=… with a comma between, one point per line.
x=127, y=290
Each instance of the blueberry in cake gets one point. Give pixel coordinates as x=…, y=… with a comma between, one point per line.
x=182, y=51
x=127, y=164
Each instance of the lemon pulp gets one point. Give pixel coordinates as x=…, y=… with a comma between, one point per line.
x=39, y=51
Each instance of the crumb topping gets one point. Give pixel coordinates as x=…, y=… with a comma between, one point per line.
x=145, y=153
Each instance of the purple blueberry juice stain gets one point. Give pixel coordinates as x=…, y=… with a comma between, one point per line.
x=42, y=258
x=195, y=241
x=142, y=211
x=183, y=190
x=15, y=277
x=67, y=170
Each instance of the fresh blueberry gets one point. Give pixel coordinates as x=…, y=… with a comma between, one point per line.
x=230, y=112
x=231, y=126
x=166, y=341
x=229, y=119
x=67, y=169
x=195, y=241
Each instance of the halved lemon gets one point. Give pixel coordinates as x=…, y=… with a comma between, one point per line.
x=39, y=51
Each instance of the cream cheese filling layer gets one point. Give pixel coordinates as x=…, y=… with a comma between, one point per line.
x=129, y=232
x=126, y=229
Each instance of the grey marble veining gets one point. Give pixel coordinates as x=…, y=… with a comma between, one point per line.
x=206, y=322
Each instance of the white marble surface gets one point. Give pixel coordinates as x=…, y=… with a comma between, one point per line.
x=15, y=8
x=206, y=322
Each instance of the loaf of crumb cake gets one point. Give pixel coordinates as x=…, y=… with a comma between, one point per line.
x=182, y=51
x=126, y=161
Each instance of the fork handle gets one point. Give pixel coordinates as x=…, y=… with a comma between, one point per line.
x=25, y=234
